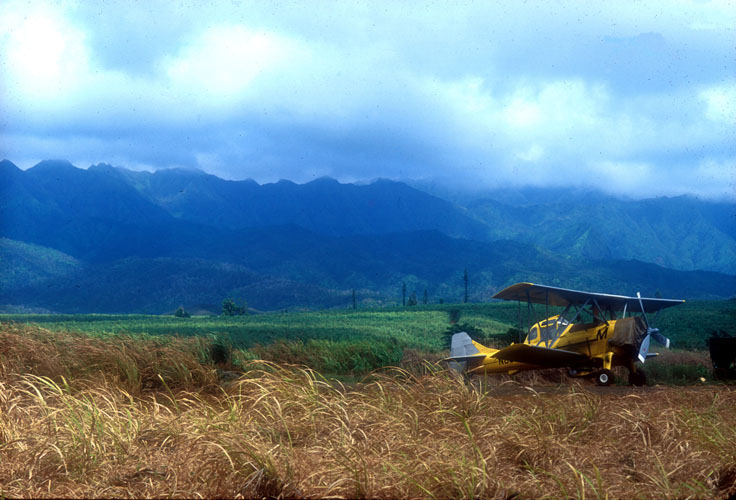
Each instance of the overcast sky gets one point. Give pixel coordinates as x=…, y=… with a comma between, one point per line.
x=632, y=97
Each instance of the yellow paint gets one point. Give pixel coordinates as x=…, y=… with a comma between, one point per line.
x=589, y=339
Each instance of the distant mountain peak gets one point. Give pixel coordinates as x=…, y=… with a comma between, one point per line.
x=325, y=180
x=53, y=165
x=9, y=172
x=384, y=180
x=102, y=166
x=188, y=171
x=7, y=165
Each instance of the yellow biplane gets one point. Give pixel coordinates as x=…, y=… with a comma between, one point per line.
x=597, y=336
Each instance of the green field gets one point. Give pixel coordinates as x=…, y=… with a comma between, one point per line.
x=419, y=327
x=415, y=328
x=356, y=341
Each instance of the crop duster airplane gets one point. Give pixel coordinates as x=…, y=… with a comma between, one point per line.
x=597, y=336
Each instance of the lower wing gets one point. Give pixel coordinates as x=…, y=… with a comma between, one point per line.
x=541, y=356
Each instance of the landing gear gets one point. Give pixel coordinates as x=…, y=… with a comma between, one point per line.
x=604, y=378
x=637, y=378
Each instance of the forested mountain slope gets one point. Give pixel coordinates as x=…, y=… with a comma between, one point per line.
x=111, y=240
x=681, y=233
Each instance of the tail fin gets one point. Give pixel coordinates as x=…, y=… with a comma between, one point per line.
x=463, y=352
x=462, y=346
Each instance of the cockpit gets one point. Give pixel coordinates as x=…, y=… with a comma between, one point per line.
x=546, y=331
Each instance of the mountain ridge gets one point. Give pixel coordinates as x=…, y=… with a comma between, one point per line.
x=681, y=232
x=286, y=244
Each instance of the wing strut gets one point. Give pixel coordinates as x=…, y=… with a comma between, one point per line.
x=579, y=310
x=600, y=312
x=519, y=321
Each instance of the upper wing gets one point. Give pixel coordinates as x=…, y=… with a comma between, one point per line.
x=553, y=296
x=541, y=356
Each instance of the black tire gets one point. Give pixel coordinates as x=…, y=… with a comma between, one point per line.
x=604, y=378
x=638, y=378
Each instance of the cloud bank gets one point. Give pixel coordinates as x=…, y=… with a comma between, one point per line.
x=633, y=98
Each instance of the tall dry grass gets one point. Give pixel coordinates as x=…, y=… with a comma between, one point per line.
x=133, y=363
x=74, y=429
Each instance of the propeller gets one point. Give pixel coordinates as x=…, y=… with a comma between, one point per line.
x=652, y=333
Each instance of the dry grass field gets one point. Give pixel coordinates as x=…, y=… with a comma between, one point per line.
x=90, y=417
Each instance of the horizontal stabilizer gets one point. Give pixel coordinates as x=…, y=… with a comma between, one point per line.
x=472, y=357
x=541, y=356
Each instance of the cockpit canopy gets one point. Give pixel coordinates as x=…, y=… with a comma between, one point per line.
x=547, y=331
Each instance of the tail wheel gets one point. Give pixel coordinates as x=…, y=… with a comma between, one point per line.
x=638, y=378
x=604, y=378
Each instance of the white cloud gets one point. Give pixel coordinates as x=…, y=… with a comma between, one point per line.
x=522, y=113
x=720, y=103
x=473, y=91
x=43, y=56
x=623, y=175
x=533, y=154
x=223, y=62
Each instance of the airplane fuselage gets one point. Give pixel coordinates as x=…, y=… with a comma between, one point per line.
x=588, y=339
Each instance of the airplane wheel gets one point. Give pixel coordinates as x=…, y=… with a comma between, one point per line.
x=604, y=377
x=638, y=378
